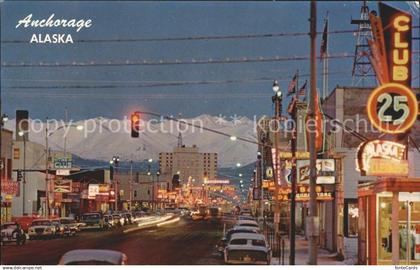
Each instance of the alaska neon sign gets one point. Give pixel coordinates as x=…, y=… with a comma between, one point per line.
x=382, y=158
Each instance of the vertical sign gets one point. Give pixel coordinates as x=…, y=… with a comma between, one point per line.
x=397, y=26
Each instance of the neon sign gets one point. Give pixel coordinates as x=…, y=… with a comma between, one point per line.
x=382, y=158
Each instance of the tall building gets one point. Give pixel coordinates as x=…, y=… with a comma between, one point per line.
x=189, y=164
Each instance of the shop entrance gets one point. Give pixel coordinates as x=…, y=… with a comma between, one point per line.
x=408, y=228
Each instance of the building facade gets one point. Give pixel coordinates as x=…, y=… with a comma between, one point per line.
x=189, y=164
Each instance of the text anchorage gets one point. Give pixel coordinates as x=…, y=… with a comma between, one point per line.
x=50, y=23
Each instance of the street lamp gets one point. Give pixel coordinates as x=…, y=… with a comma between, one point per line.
x=4, y=118
x=233, y=138
x=238, y=164
x=277, y=100
x=115, y=162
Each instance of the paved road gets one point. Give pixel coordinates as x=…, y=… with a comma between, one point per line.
x=186, y=242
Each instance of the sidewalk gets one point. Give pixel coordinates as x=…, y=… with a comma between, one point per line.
x=302, y=254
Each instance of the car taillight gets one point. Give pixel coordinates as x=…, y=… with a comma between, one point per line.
x=124, y=260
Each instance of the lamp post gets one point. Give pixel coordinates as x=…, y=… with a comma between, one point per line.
x=115, y=162
x=276, y=99
x=22, y=134
x=157, y=180
x=131, y=185
x=152, y=199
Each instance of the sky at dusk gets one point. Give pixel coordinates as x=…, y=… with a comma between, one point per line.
x=114, y=91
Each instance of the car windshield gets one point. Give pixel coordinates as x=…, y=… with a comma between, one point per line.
x=91, y=217
x=238, y=242
x=41, y=223
x=67, y=221
x=260, y=243
x=248, y=225
x=8, y=226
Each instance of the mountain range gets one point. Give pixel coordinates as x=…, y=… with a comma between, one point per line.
x=102, y=138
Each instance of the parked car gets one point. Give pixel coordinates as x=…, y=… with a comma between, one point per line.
x=70, y=226
x=93, y=220
x=59, y=228
x=118, y=219
x=246, y=217
x=12, y=232
x=247, y=248
x=127, y=218
x=226, y=238
x=247, y=223
x=109, y=221
x=42, y=228
x=93, y=257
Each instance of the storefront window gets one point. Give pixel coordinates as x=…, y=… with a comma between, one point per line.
x=384, y=229
x=409, y=228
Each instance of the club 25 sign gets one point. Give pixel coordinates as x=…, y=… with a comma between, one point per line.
x=392, y=108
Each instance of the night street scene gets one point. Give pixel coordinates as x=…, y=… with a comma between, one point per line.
x=180, y=133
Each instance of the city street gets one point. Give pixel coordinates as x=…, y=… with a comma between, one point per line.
x=185, y=242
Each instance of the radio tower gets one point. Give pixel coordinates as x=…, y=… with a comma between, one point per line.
x=362, y=68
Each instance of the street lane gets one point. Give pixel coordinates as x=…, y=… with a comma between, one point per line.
x=184, y=242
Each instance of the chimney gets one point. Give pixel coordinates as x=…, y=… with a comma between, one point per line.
x=22, y=124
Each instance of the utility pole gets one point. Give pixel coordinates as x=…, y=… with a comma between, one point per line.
x=24, y=177
x=47, y=201
x=293, y=112
x=313, y=221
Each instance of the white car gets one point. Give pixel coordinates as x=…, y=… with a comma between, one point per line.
x=93, y=257
x=12, y=232
x=247, y=248
x=247, y=223
x=42, y=228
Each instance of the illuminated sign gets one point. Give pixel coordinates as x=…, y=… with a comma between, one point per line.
x=392, y=108
x=397, y=35
x=302, y=194
x=62, y=186
x=382, y=158
x=97, y=189
x=215, y=182
x=325, y=171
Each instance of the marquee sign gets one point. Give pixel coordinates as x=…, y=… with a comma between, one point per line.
x=382, y=158
x=302, y=194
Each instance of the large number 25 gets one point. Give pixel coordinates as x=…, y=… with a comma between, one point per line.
x=400, y=103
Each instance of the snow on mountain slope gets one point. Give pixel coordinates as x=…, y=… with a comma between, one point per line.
x=106, y=140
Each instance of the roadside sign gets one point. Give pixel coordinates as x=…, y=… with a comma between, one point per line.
x=62, y=172
x=392, y=108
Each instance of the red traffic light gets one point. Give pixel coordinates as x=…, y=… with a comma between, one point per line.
x=135, y=124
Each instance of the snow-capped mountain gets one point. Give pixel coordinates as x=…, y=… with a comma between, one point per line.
x=103, y=138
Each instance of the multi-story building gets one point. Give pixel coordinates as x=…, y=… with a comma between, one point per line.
x=189, y=164
x=348, y=106
x=9, y=187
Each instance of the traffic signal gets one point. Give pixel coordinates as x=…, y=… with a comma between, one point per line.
x=19, y=175
x=135, y=124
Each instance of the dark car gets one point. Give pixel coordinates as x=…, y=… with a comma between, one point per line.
x=93, y=220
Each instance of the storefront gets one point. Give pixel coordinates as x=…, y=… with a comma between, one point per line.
x=389, y=222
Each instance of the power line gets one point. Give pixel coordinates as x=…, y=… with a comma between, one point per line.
x=157, y=83
x=227, y=60
x=192, y=38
